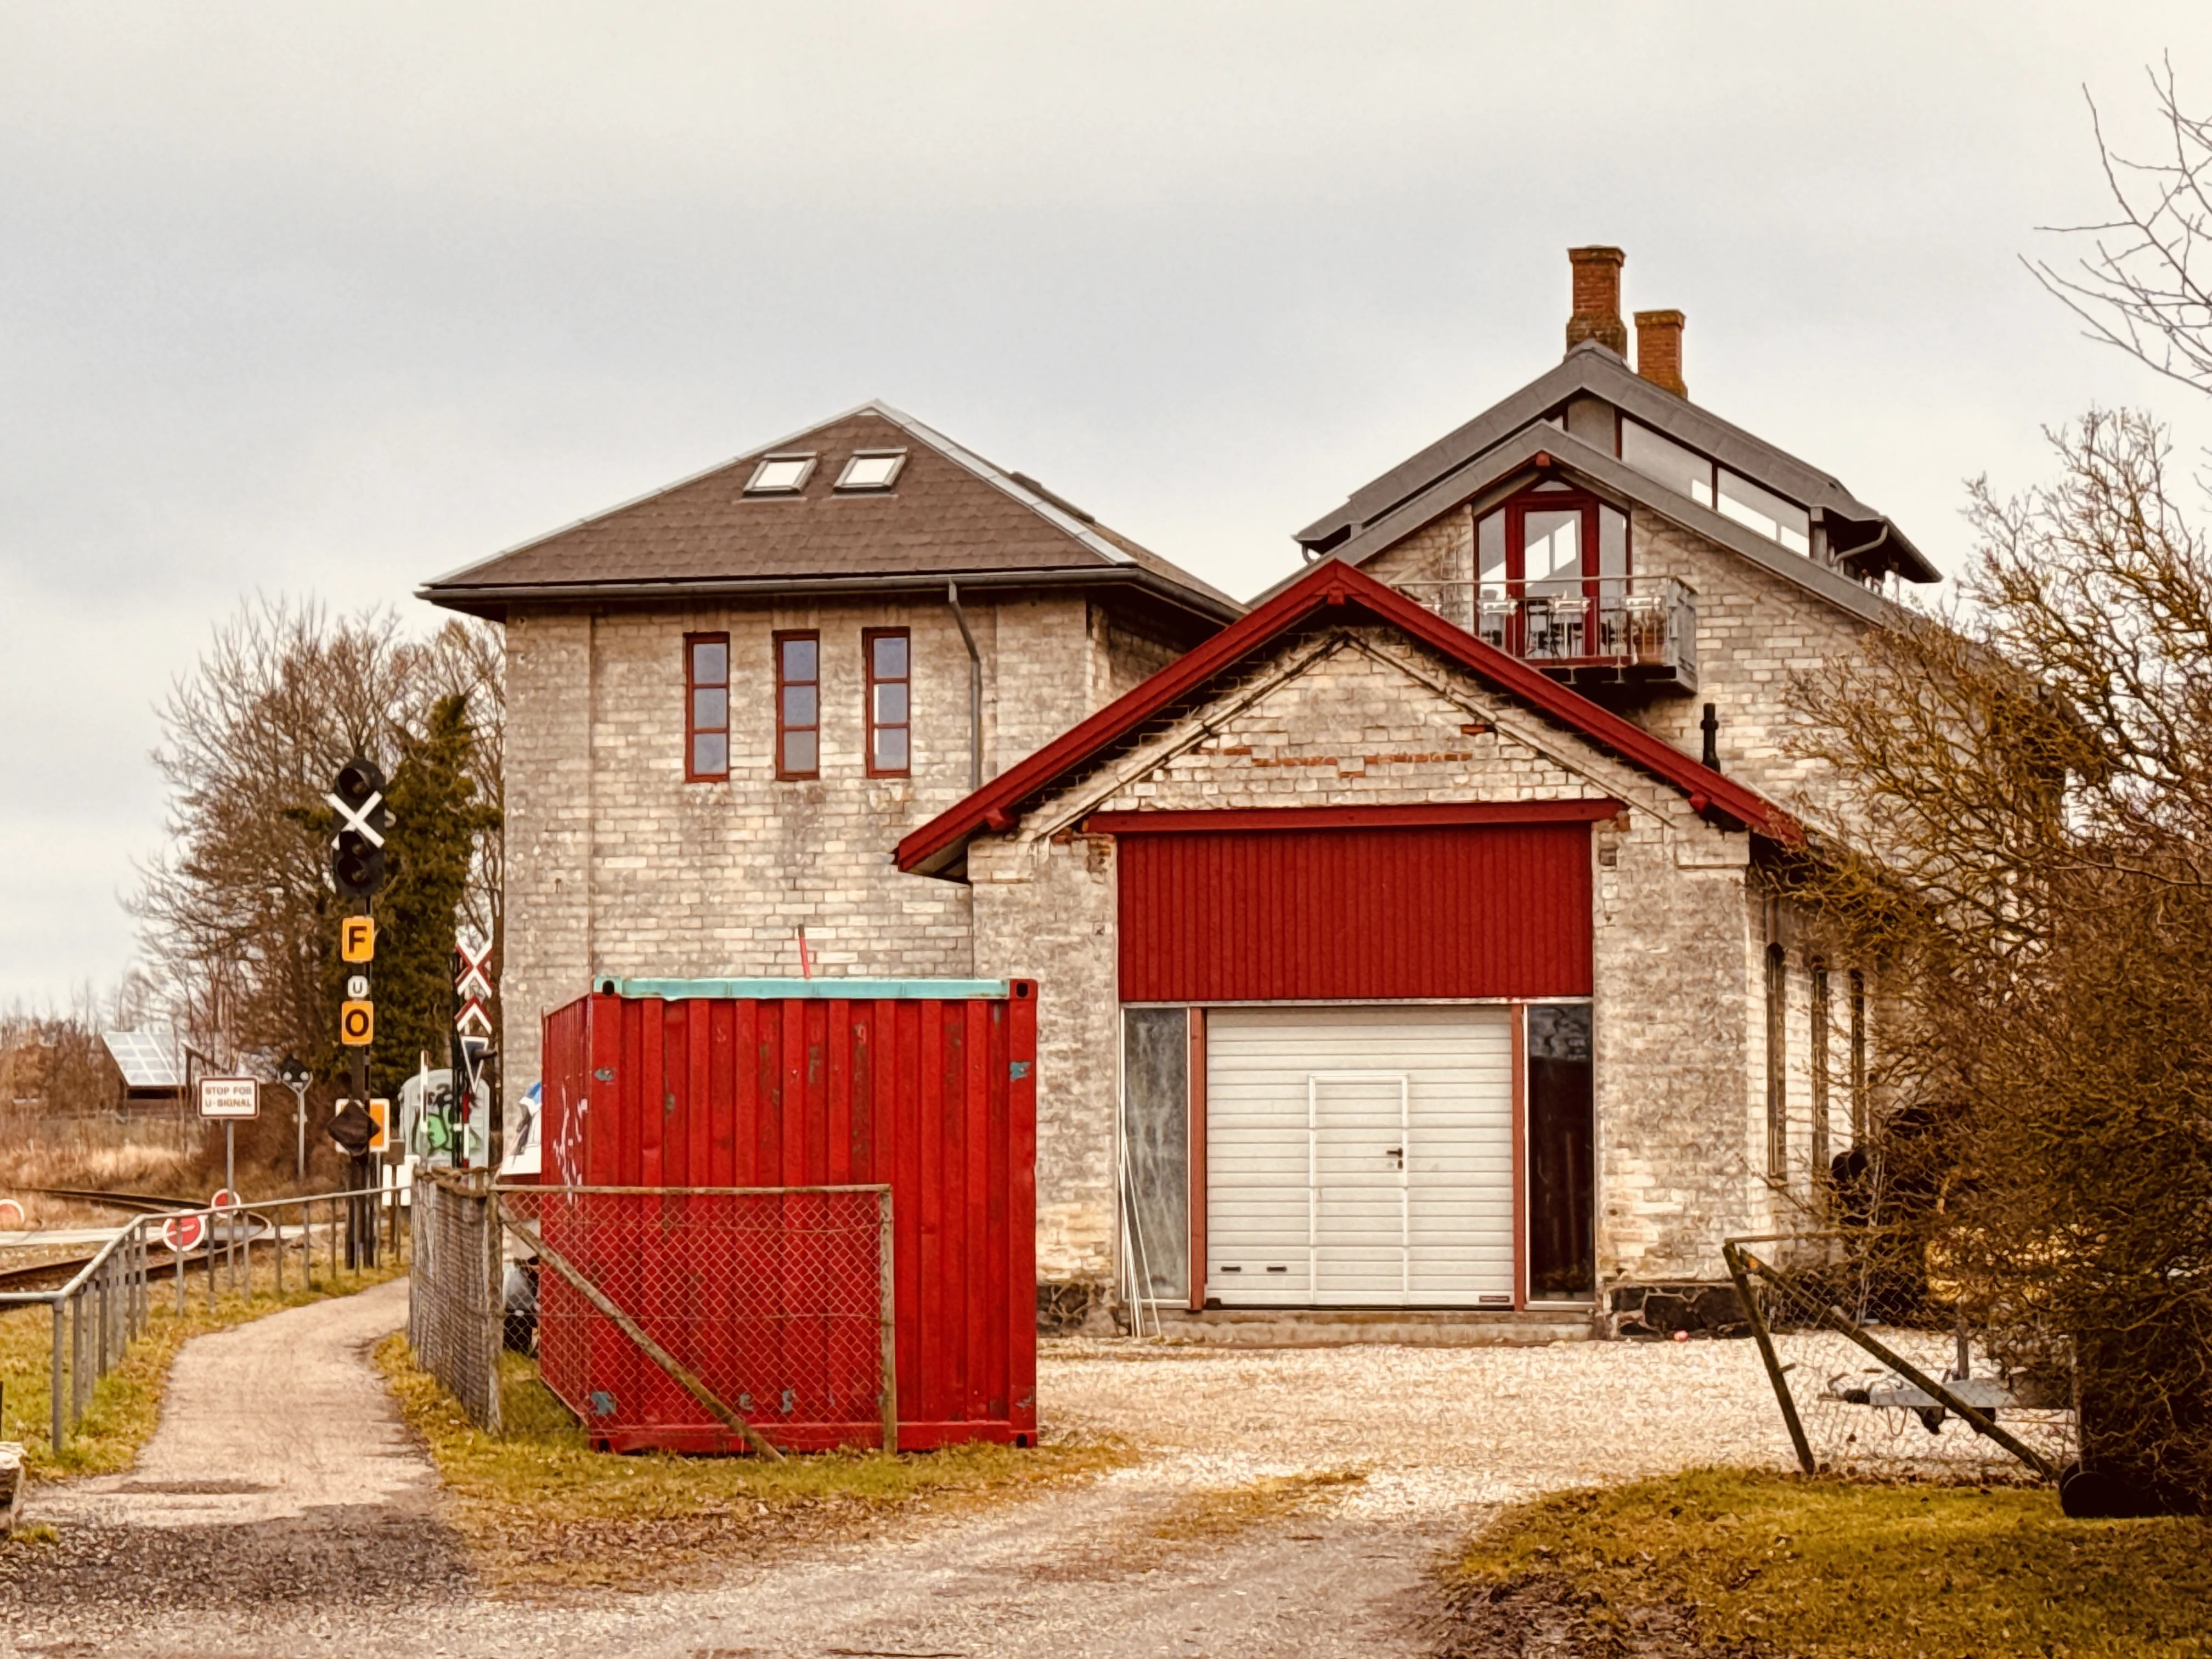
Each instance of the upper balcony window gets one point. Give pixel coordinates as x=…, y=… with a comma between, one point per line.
x=1552, y=536
x=872, y=468
x=1688, y=473
x=780, y=475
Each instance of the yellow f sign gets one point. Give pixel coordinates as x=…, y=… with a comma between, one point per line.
x=357, y=939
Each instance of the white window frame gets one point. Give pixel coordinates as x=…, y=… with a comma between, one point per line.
x=760, y=485
x=896, y=457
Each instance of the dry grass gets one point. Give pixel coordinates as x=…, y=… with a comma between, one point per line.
x=544, y=1514
x=140, y=1154
x=1218, y=1514
x=1831, y=1570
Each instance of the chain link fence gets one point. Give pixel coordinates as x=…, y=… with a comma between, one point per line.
x=456, y=1303
x=684, y=1319
x=1879, y=1367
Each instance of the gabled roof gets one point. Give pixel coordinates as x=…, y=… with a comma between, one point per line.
x=1548, y=451
x=949, y=515
x=1329, y=592
x=1592, y=370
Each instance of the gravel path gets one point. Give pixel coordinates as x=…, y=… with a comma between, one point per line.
x=1440, y=1434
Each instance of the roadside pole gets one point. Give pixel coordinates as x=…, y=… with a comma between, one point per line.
x=356, y=872
x=295, y=1076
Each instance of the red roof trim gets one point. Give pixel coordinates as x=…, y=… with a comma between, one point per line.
x=1333, y=583
x=1354, y=817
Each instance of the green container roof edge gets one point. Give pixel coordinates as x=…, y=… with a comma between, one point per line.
x=820, y=990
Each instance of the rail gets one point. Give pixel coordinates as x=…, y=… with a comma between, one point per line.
x=1630, y=626
x=107, y=1303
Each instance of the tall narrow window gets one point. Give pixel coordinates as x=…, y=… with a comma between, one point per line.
x=1858, y=1057
x=1561, y=1149
x=1778, y=1064
x=798, y=705
x=706, y=708
x=1819, y=1056
x=890, y=702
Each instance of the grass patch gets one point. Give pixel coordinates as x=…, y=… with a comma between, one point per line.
x=541, y=1511
x=126, y=1404
x=1826, y=1570
x=1221, y=1513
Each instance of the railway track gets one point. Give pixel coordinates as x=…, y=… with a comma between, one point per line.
x=136, y=1203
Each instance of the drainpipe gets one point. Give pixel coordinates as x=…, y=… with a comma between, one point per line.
x=975, y=689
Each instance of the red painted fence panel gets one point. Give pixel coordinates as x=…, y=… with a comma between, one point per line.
x=927, y=1086
x=1360, y=913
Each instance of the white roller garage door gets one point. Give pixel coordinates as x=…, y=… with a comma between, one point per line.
x=1360, y=1157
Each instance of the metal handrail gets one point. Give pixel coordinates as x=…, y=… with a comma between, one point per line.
x=129, y=1242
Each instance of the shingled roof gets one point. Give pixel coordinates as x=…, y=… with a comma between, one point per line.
x=949, y=515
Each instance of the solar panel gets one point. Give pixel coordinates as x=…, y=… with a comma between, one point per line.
x=148, y=1059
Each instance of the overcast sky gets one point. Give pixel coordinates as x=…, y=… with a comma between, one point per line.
x=327, y=299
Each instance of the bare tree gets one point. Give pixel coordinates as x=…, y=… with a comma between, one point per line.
x=2040, y=765
x=2145, y=286
x=238, y=911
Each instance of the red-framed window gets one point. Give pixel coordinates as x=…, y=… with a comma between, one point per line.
x=799, y=705
x=706, y=708
x=890, y=657
x=1549, y=565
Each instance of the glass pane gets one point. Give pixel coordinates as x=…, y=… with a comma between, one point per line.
x=800, y=702
x=710, y=709
x=1612, y=543
x=890, y=656
x=780, y=475
x=1762, y=510
x=1551, y=546
x=1561, y=1144
x=1683, y=471
x=890, y=748
x=800, y=752
x=710, y=662
x=710, y=752
x=799, y=657
x=890, y=704
x=1490, y=548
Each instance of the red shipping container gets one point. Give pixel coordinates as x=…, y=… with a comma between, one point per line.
x=927, y=1086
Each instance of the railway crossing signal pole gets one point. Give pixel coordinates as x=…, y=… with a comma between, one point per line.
x=356, y=872
x=295, y=1076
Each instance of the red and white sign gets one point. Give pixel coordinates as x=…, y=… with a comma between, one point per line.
x=224, y=1198
x=472, y=978
x=8, y=1204
x=184, y=1232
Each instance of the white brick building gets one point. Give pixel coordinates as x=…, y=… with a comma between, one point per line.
x=1410, y=946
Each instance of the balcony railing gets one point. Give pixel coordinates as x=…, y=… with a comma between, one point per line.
x=1623, y=629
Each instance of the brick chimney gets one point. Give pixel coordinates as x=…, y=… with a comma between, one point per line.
x=1597, y=299
x=1659, y=349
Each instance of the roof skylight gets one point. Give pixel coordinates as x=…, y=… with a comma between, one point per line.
x=872, y=468
x=780, y=475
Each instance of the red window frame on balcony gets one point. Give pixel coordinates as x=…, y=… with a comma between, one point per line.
x=1518, y=579
x=699, y=690
x=799, y=694
x=902, y=701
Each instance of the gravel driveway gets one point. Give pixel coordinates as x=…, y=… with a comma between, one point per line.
x=1439, y=1434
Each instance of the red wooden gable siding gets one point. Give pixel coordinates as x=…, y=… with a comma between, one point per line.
x=936, y=1099
x=1489, y=910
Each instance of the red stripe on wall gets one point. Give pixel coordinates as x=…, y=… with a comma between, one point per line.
x=1494, y=911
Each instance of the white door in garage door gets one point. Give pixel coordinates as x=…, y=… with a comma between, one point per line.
x=1360, y=1157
